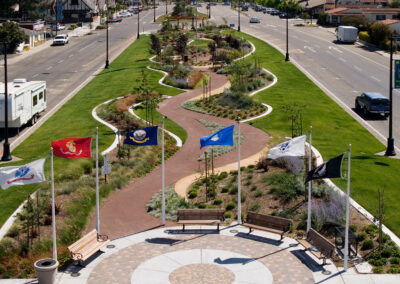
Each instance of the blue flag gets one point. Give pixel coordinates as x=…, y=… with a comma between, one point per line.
x=142, y=137
x=222, y=137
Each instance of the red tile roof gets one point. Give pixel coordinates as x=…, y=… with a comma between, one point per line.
x=390, y=21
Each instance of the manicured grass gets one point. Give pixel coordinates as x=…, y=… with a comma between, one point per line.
x=333, y=129
x=74, y=119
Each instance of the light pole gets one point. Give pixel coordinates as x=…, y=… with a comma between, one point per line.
x=287, y=37
x=390, y=141
x=138, y=27
x=196, y=31
x=166, y=7
x=238, y=16
x=154, y=10
x=107, y=62
x=6, y=146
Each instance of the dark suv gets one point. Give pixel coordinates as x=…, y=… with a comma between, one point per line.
x=373, y=103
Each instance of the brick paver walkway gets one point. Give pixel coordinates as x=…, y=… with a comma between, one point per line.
x=124, y=212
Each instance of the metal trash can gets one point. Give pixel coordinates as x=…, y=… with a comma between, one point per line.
x=46, y=270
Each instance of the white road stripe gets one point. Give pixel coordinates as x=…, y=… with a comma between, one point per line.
x=34, y=76
x=48, y=68
x=342, y=59
x=357, y=68
x=61, y=61
x=376, y=79
x=70, y=55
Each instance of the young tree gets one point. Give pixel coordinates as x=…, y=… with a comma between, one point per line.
x=180, y=45
x=155, y=44
x=291, y=7
x=379, y=33
x=12, y=35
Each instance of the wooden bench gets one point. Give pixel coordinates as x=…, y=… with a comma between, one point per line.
x=86, y=246
x=201, y=217
x=319, y=246
x=269, y=223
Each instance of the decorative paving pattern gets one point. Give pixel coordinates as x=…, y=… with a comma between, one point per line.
x=159, y=254
x=201, y=274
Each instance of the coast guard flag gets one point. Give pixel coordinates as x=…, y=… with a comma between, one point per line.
x=72, y=148
x=25, y=174
x=222, y=137
x=142, y=137
x=293, y=148
x=329, y=169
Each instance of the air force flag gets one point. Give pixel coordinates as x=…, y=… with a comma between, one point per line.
x=20, y=175
x=142, y=137
x=222, y=137
x=292, y=148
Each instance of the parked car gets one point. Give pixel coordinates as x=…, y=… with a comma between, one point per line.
x=115, y=20
x=245, y=8
x=255, y=20
x=61, y=39
x=125, y=14
x=226, y=3
x=58, y=27
x=370, y=103
x=283, y=15
x=275, y=12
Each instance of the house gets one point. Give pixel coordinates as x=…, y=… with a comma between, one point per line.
x=335, y=16
x=313, y=7
x=393, y=24
x=83, y=10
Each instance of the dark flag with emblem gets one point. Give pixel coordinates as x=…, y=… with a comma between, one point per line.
x=329, y=169
x=142, y=137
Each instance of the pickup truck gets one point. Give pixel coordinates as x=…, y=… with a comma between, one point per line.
x=373, y=103
x=61, y=39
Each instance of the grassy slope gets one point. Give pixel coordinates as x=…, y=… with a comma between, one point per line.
x=333, y=130
x=74, y=119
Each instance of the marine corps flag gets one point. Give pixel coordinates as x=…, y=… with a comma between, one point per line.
x=72, y=148
x=329, y=169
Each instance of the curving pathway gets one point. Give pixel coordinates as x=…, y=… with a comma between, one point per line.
x=124, y=212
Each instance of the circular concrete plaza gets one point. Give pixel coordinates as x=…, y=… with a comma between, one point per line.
x=199, y=257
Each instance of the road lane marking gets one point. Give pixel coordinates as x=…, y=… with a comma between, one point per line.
x=309, y=48
x=70, y=55
x=61, y=61
x=357, y=68
x=48, y=68
x=83, y=48
x=305, y=40
x=34, y=76
x=376, y=79
x=342, y=59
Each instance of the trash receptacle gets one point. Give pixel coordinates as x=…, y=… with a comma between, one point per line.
x=46, y=270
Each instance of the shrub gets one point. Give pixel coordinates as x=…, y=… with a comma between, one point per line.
x=377, y=270
x=253, y=188
x=395, y=260
x=364, y=36
x=257, y=194
x=230, y=206
x=242, y=197
x=192, y=194
x=353, y=227
x=228, y=215
x=361, y=236
x=378, y=262
x=225, y=189
x=223, y=175
x=254, y=206
x=379, y=33
x=394, y=270
x=286, y=186
x=386, y=252
x=371, y=230
x=233, y=190
x=217, y=201
x=367, y=244
x=202, y=206
x=322, y=19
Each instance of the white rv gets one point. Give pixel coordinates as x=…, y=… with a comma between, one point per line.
x=26, y=100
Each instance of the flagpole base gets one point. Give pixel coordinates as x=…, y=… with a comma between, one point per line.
x=390, y=148
x=6, y=153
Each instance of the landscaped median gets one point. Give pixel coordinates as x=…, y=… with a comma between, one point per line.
x=333, y=130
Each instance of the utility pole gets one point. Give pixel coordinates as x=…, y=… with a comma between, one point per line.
x=6, y=146
x=107, y=61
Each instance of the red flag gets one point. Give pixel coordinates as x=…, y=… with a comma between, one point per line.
x=72, y=148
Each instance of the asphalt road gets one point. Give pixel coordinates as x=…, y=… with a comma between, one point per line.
x=341, y=70
x=64, y=68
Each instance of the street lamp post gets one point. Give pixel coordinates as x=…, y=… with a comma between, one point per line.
x=154, y=10
x=166, y=7
x=238, y=16
x=138, y=27
x=6, y=146
x=390, y=141
x=287, y=37
x=107, y=62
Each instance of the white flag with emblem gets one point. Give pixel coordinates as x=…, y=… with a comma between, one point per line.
x=20, y=175
x=292, y=148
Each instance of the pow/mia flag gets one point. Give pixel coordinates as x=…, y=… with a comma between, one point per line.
x=329, y=169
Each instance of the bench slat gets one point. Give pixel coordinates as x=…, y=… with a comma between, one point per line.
x=279, y=232
x=86, y=246
x=325, y=248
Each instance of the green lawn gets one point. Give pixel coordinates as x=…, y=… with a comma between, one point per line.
x=333, y=130
x=74, y=119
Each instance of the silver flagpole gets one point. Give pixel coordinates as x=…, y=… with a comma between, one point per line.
x=239, y=206
x=53, y=210
x=346, y=238
x=309, y=184
x=97, y=183
x=162, y=176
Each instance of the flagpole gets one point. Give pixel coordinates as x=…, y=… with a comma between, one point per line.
x=53, y=210
x=162, y=176
x=309, y=183
x=97, y=184
x=346, y=238
x=239, y=206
